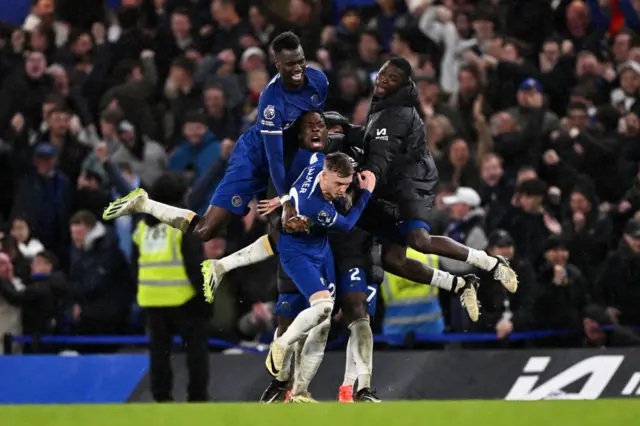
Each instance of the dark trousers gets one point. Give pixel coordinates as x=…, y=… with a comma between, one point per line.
x=191, y=325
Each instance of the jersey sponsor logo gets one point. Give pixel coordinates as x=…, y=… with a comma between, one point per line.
x=597, y=370
x=323, y=217
x=381, y=135
x=267, y=123
x=269, y=112
x=236, y=201
x=315, y=99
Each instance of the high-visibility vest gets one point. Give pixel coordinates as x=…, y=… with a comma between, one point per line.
x=411, y=306
x=162, y=278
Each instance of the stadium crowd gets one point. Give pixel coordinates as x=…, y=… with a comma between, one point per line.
x=532, y=111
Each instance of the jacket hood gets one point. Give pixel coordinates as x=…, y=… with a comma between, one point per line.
x=98, y=231
x=406, y=96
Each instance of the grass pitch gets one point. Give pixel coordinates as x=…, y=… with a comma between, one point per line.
x=427, y=413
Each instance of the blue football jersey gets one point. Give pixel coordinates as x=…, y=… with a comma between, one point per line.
x=307, y=198
x=278, y=109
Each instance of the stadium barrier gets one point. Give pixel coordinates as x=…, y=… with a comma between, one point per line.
x=410, y=340
x=585, y=374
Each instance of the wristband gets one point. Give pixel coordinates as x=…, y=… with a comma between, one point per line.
x=284, y=199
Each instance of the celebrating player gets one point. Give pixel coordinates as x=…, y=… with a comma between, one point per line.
x=257, y=155
x=307, y=257
x=354, y=287
x=396, y=152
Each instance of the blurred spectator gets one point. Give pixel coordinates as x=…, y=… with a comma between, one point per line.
x=9, y=314
x=504, y=312
x=20, y=263
x=38, y=298
x=466, y=226
x=618, y=279
x=527, y=221
x=147, y=157
x=199, y=149
x=563, y=293
x=27, y=244
x=100, y=281
x=44, y=198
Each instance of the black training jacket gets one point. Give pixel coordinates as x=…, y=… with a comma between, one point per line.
x=395, y=148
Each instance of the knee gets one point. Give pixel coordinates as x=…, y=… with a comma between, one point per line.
x=354, y=307
x=419, y=240
x=324, y=307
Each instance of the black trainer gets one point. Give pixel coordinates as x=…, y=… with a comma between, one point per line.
x=366, y=395
x=275, y=392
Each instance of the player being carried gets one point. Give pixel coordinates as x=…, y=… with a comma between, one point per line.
x=257, y=155
x=354, y=288
x=306, y=257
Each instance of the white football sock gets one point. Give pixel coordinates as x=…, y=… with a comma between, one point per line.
x=172, y=216
x=481, y=259
x=442, y=279
x=255, y=252
x=362, y=350
x=298, y=356
x=350, y=372
x=311, y=357
x=318, y=312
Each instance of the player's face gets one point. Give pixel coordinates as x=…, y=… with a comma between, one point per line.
x=389, y=79
x=333, y=186
x=290, y=65
x=313, y=132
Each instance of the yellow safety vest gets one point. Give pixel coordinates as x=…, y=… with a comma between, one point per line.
x=396, y=288
x=162, y=278
x=401, y=295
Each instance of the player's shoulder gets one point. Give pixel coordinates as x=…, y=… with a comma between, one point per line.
x=273, y=91
x=394, y=118
x=316, y=76
x=318, y=80
x=316, y=158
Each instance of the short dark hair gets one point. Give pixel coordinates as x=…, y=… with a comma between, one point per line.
x=49, y=257
x=184, y=63
x=403, y=65
x=285, y=41
x=84, y=217
x=169, y=188
x=339, y=163
x=58, y=109
x=181, y=11
x=578, y=105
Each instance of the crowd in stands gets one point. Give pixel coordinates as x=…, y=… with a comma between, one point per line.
x=532, y=109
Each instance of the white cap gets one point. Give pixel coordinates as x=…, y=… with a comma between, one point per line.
x=463, y=195
x=252, y=51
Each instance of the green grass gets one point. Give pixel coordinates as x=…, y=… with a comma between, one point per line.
x=427, y=413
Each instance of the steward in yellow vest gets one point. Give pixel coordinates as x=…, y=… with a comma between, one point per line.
x=170, y=290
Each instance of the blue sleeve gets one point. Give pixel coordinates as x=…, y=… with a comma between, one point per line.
x=320, y=82
x=328, y=217
x=270, y=125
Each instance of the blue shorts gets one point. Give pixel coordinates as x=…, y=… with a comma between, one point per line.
x=291, y=304
x=406, y=226
x=310, y=274
x=355, y=281
x=246, y=176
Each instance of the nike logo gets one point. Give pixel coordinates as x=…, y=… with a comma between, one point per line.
x=274, y=370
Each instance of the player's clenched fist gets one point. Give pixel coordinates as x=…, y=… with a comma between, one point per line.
x=367, y=180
